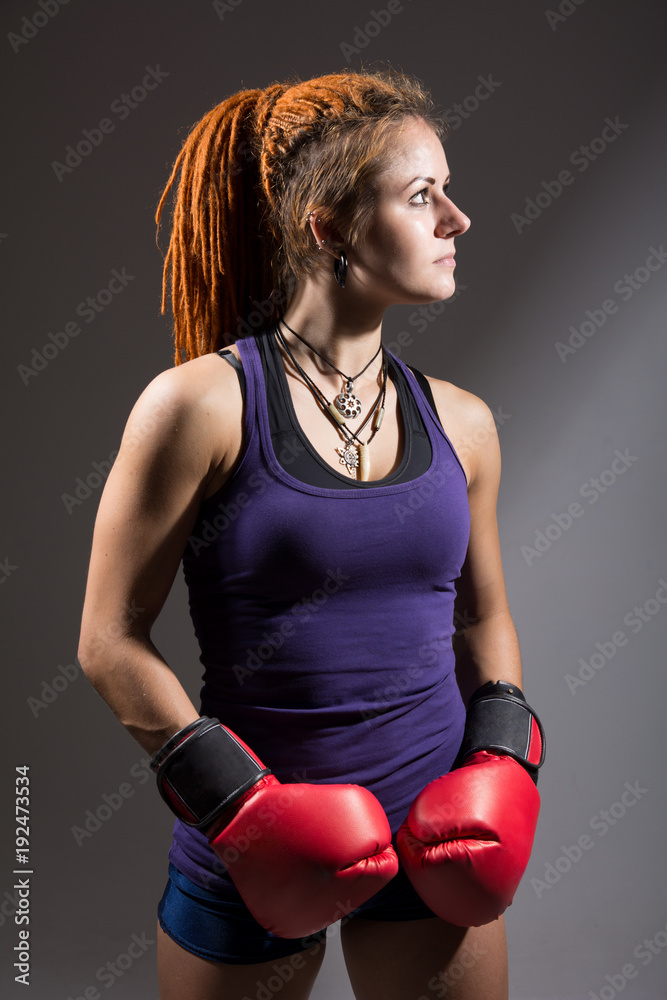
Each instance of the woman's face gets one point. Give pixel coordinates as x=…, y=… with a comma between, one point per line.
x=407, y=253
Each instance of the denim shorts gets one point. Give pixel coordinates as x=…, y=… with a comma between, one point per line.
x=222, y=930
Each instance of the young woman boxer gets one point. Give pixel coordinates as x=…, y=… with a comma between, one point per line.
x=329, y=506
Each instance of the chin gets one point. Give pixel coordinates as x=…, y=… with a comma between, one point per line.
x=439, y=294
x=420, y=294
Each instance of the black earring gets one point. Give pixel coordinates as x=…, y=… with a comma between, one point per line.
x=340, y=269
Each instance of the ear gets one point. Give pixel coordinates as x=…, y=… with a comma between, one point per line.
x=326, y=236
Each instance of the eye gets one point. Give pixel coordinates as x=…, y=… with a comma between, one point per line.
x=420, y=194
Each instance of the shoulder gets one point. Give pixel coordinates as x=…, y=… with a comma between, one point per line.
x=194, y=407
x=191, y=387
x=471, y=427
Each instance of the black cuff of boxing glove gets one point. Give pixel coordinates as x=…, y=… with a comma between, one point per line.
x=499, y=720
x=174, y=741
x=202, y=770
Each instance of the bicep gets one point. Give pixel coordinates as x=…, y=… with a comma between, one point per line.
x=146, y=512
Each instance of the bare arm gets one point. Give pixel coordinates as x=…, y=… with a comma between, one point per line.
x=170, y=448
x=485, y=644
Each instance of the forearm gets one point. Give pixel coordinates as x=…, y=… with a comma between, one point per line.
x=141, y=690
x=488, y=650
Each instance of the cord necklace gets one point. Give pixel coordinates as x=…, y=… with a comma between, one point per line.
x=354, y=452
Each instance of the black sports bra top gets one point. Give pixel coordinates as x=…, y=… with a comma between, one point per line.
x=295, y=452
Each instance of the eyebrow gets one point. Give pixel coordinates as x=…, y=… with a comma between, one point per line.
x=429, y=180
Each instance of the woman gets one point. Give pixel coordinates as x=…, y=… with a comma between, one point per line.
x=304, y=478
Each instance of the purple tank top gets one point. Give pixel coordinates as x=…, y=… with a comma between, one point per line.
x=325, y=617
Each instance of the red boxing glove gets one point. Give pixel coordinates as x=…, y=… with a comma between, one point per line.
x=468, y=836
x=301, y=855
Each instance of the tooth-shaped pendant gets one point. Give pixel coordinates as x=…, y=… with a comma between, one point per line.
x=364, y=463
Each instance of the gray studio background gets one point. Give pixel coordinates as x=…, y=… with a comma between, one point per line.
x=558, y=323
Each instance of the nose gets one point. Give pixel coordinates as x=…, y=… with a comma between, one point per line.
x=452, y=221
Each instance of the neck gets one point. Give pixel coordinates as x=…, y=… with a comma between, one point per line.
x=345, y=329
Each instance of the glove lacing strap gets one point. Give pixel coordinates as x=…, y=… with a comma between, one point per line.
x=499, y=719
x=203, y=770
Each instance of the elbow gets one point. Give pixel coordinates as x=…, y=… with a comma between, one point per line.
x=83, y=653
x=97, y=651
x=89, y=661
x=102, y=647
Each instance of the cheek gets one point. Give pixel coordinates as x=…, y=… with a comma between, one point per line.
x=382, y=241
x=407, y=253
x=397, y=246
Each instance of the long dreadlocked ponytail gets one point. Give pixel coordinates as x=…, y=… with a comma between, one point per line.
x=251, y=171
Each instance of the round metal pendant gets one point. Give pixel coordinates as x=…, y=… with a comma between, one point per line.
x=348, y=404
